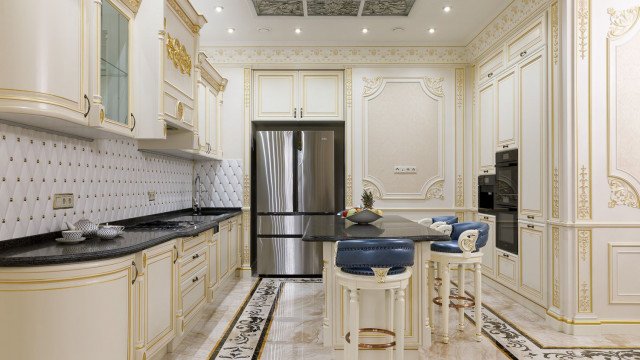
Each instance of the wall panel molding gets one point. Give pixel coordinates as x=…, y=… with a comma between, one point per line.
x=624, y=286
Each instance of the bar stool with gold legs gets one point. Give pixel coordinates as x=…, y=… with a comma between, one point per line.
x=376, y=264
x=464, y=249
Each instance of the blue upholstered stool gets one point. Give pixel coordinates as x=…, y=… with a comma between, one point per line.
x=376, y=264
x=467, y=239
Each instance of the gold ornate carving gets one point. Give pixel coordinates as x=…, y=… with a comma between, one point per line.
x=348, y=92
x=583, y=27
x=179, y=111
x=246, y=191
x=371, y=187
x=460, y=191
x=584, y=244
x=380, y=274
x=555, y=235
x=178, y=54
x=621, y=21
x=349, y=190
x=436, y=191
x=133, y=5
x=622, y=194
x=474, y=194
x=371, y=85
x=555, y=194
x=459, y=88
x=584, y=196
x=101, y=114
x=555, y=32
x=247, y=88
x=584, y=298
x=195, y=28
x=435, y=85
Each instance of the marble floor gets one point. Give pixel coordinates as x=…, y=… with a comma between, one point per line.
x=295, y=322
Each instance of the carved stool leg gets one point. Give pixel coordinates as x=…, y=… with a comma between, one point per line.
x=478, y=295
x=354, y=322
x=399, y=328
x=461, y=292
x=443, y=269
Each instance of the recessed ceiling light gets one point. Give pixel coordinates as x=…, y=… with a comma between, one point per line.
x=446, y=8
x=365, y=30
x=231, y=30
x=298, y=30
x=398, y=29
x=432, y=31
x=264, y=29
x=219, y=9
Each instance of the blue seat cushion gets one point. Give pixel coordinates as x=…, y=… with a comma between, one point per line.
x=366, y=271
x=456, y=231
x=358, y=256
x=445, y=219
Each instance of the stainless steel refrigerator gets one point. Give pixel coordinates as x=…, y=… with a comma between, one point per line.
x=294, y=178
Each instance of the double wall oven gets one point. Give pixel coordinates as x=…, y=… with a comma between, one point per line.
x=498, y=195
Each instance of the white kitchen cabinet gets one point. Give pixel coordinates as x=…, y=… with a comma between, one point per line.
x=234, y=232
x=159, y=297
x=298, y=95
x=223, y=233
x=213, y=277
x=507, y=268
x=490, y=66
x=489, y=250
x=531, y=166
x=526, y=42
x=45, y=86
x=507, y=124
x=486, y=131
x=532, y=247
x=210, y=89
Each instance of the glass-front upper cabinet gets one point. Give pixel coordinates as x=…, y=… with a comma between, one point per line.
x=114, y=64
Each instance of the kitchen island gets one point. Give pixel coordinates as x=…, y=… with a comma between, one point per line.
x=330, y=229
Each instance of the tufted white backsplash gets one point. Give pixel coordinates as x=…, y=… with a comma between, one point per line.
x=222, y=182
x=109, y=179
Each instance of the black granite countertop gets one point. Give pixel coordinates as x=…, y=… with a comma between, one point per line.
x=334, y=228
x=44, y=250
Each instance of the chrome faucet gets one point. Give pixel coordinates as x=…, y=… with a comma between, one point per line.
x=197, y=208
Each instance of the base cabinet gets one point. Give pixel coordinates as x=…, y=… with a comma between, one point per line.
x=489, y=250
x=532, y=265
x=507, y=269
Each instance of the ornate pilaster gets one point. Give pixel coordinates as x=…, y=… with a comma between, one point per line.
x=585, y=293
x=459, y=134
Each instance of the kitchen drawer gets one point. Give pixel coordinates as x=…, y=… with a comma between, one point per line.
x=189, y=243
x=526, y=42
x=491, y=66
x=192, y=260
x=507, y=269
x=193, y=291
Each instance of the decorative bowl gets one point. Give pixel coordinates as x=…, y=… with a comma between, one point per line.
x=108, y=232
x=72, y=235
x=118, y=228
x=87, y=227
x=365, y=216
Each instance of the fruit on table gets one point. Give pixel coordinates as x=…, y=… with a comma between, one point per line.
x=352, y=211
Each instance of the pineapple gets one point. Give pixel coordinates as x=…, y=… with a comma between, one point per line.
x=367, y=199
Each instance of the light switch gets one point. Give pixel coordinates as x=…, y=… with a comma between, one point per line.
x=62, y=201
x=152, y=195
x=403, y=169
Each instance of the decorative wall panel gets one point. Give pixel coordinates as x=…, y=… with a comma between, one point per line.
x=222, y=182
x=392, y=105
x=624, y=283
x=109, y=179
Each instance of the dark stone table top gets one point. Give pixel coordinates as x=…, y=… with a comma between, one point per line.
x=334, y=228
x=44, y=250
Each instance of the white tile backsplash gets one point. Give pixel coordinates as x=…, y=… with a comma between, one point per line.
x=109, y=179
x=222, y=181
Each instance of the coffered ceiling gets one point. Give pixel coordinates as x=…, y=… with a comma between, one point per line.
x=341, y=22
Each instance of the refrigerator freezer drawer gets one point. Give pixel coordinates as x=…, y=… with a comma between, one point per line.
x=289, y=256
x=281, y=225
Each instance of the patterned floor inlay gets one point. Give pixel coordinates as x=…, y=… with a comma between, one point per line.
x=248, y=331
x=520, y=346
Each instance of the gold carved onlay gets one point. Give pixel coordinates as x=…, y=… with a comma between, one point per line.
x=349, y=190
x=621, y=21
x=371, y=187
x=133, y=5
x=474, y=194
x=555, y=235
x=371, y=85
x=179, y=110
x=348, y=79
x=246, y=191
x=459, y=191
x=195, y=28
x=555, y=194
x=436, y=191
x=555, y=32
x=584, y=298
x=247, y=88
x=459, y=88
x=584, y=194
x=622, y=194
x=435, y=85
x=583, y=27
x=584, y=244
x=584, y=270
x=178, y=54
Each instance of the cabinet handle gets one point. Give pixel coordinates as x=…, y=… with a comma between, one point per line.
x=530, y=217
x=176, y=251
x=505, y=146
x=531, y=226
x=195, y=256
x=195, y=279
x=301, y=116
x=134, y=122
x=133, y=263
x=295, y=113
x=486, y=171
x=522, y=54
x=88, y=105
x=490, y=75
x=506, y=255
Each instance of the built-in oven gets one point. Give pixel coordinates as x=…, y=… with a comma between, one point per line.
x=507, y=230
x=486, y=191
x=507, y=179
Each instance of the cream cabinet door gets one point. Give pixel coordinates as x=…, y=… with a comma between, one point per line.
x=203, y=115
x=487, y=129
x=276, y=95
x=321, y=95
x=532, y=254
x=213, y=261
x=532, y=143
x=506, y=120
x=223, y=234
x=234, y=240
x=489, y=250
x=159, y=294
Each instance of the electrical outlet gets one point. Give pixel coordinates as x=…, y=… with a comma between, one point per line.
x=152, y=195
x=401, y=169
x=62, y=201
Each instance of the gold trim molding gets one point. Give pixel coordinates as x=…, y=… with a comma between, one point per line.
x=178, y=54
x=348, y=87
x=555, y=194
x=349, y=190
x=584, y=196
x=621, y=21
x=195, y=28
x=460, y=191
x=555, y=239
x=584, y=279
x=583, y=27
x=246, y=190
x=555, y=32
x=133, y=5
x=622, y=194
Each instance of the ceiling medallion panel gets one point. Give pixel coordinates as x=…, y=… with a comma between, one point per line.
x=387, y=7
x=333, y=7
x=279, y=7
